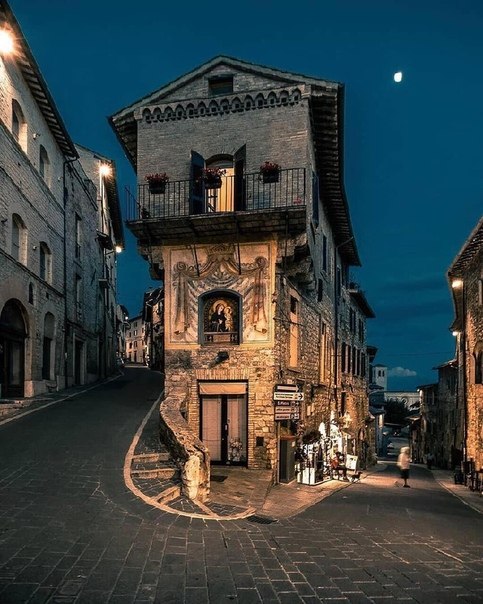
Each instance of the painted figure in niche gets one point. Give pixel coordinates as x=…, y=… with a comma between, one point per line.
x=218, y=317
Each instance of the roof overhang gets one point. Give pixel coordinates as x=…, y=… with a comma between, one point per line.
x=326, y=105
x=24, y=58
x=360, y=299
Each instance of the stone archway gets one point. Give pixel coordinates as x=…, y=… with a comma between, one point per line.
x=13, y=331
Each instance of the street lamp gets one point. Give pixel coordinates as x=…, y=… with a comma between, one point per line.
x=458, y=286
x=6, y=42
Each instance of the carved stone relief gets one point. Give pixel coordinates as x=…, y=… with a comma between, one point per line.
x=243, y=273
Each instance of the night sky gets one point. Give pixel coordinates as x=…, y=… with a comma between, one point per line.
x=413, y=150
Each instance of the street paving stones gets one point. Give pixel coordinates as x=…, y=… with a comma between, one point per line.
x=71, y=531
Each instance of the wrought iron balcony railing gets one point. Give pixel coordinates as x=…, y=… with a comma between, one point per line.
x=247, y=192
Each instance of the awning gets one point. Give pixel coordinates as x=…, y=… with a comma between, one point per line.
x=222, y=387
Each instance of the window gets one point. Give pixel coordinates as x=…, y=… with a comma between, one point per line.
x=315, y=198
x=220, y=318
x=19, y=125
x=44, y=164
x=45, y=262
x=19, y=239
x=294, y=332
x=222, y=84
x=31, y=293
x=324, y=253
x=78, y=296
x=78, y=236
x=480, y=292
x=343, y=357
x=323, y=354
x=47, y=356
x=479, y=364
x=320, y=290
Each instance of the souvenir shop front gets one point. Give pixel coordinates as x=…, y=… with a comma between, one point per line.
x=319, y=450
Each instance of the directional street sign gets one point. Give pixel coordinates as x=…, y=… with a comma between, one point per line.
x=288, y=396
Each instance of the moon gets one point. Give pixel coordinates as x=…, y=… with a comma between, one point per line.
x=398, y=76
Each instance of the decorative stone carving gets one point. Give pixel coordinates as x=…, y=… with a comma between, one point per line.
x=230, y=104
x=221, y=269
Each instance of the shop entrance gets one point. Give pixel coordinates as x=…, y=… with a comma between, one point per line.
x=224, y=422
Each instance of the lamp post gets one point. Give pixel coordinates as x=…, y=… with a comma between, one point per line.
x=458, y=287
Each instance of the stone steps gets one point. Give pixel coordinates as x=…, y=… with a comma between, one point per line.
x=169, y=494
x=153, y=465
x=151, y=457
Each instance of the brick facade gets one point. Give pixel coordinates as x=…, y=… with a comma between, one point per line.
x=466, y=280
x=271, y=267
x=49, y=268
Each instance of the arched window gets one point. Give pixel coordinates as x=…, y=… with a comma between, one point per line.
x=220, y=318
x=19, y=239
x=44, y=165
x=45, y=262
x=47, y=356
x=19, y=125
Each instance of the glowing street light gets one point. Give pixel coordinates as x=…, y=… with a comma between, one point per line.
x=457, y=283
x=6, y=42
x=118, y=249
x=105, y=170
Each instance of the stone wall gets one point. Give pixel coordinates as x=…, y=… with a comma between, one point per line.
x=474, y=307
x=185, y=448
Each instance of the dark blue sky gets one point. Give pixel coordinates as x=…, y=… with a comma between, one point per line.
x=413, y=151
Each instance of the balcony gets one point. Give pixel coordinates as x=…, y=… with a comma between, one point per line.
x=242, y=205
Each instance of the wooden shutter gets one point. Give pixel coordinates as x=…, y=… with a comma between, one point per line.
x=197, y=187
x=239, y=161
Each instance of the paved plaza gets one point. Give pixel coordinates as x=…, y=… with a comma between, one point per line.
x=73, y=531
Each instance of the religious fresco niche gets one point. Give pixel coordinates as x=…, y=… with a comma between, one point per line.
x=227, y=279
x=220, y=313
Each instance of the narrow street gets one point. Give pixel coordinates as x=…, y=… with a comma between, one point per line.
x=72, y=531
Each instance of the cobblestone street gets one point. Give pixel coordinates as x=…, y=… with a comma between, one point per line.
x=72, y=531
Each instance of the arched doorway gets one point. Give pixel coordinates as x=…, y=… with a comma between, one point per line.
x=13, y=332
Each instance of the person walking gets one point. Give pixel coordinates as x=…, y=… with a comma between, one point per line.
x=403, y=462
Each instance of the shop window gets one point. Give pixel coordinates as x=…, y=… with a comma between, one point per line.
x=220, y=318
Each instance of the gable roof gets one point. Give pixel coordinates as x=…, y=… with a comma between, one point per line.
x=36, y=83
x=326, y=106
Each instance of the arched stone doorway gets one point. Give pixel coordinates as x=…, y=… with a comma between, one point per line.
x=13, y=332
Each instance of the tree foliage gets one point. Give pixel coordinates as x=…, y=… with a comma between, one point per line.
x=396, y=412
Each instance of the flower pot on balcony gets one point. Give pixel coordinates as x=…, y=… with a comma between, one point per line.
x=157, y=187
x=269, y=177
x=213, y=182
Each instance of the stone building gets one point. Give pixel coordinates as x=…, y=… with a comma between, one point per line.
x=135, y=344
x=438, y=430
x=465, y=276
x=241, y=210
x=153, y=317
x=52, y=251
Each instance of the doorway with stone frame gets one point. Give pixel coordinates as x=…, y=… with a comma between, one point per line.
x=224, y=421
